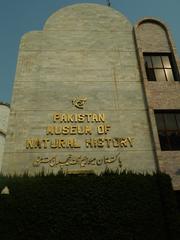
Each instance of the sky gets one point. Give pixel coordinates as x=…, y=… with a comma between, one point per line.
x=20, y=16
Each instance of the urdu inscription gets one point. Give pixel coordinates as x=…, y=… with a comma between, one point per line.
x=81, y=161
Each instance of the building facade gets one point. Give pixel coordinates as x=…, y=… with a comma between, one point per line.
x=93, y=92
x=4, y=115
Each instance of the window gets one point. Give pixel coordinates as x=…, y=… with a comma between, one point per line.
x=168, y=125
x=160, y=67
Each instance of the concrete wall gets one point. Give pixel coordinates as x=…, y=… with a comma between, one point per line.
x=84, y=50
x=4, y=115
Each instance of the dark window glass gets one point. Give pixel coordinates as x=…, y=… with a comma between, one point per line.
x=148, y=61
x=178, y=120
x=168, y=125
x=174, y=138
x=160, y=67
x=157, y=63
x=160, y=121
x=170, y=121
x=163, y=141
x=151, y=74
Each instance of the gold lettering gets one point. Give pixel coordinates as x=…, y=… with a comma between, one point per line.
x=56, y=117
x=64, y=118
x=70, y=118
x=95, y=118
x=65, y=130
x=50, y=130
x=100, y=129
x=100, y=142
x=81, y=130
x=73, y=130
x=88, y=130
x=54, y=143
x=99, y=162
x=57, y=130
x=70, y=143
x=103, y=129
x=82, y=161
x=106, y=128
x=115, y=142
x=29, y=144
x=45, y=142
x=81, y=117
x=123, y=142
x=101, y=117
x=62, y=143
x=88, y=117
x=75, y=118
x=91, y=142
x=108, y=140
x=38, y=143
x=129, y=139
x=76, y=145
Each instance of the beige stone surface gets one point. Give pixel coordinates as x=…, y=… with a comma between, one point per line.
x=84, y=50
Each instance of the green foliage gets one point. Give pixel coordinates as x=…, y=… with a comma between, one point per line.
x=113, y=206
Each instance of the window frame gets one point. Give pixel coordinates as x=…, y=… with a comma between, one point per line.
x=166, y=131
x=152, y=71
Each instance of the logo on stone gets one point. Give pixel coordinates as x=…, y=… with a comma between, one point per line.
x=79, y=102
